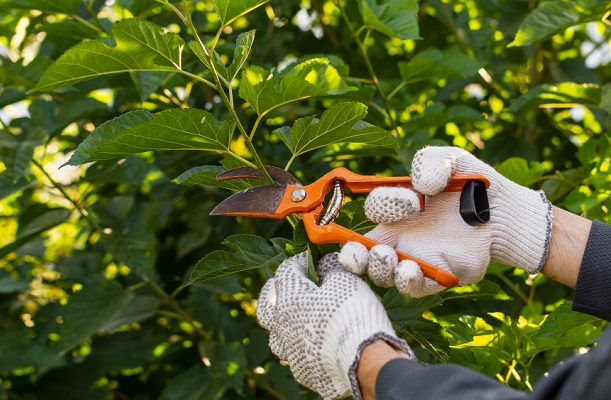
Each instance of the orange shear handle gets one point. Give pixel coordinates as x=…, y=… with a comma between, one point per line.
x=334, y=233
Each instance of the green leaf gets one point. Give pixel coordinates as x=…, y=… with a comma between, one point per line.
x=402, y=309
x=394, y=18
x=433, y=64
x=139, y=131
x=34, y=228
x=137, y=7
x=16, y=151
x=428, y=334
x=54, y=117
x=9, y=185
x=102, y=308
x=560, y=94
x=206, y=176
x=240, y=54
x=51, y=6
x=266, y=90
x=134, y=248
x=136, y=45
x=518, y=170
x=248, y=252
x=482, y=290
x=9, y=284
x=196, y=383
x=229, y=10
x=353, y=217
x=129, y=170
x=565, y=327
x=147, y=82
x=555, y=16
x=339, y=124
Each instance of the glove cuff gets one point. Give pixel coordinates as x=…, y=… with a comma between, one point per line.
x=349, y=334
x=523, y=227
x=394, y=341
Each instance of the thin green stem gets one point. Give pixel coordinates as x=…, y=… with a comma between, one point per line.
x=362, y=45
x=81, y=209
x=185, y=316
x=228, y=103
x=94, y=15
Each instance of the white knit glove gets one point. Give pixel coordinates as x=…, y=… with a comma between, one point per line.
x=517, y=234
x=321, y=330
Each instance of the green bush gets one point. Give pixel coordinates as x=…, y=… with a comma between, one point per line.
x=117, y=116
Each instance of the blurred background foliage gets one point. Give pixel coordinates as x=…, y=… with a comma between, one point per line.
x=105, y=268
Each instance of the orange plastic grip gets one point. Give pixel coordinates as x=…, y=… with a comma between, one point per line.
x=334, y=233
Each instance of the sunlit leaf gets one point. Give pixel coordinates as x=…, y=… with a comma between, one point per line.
x=339, y=124
x=394, y=18
x=482, y=290
x=605, y=98
x=134, y=248
x=102, y=308
x=139, y=131
x=136, y=45
x=8, y=185
x=16, y=150
x=518, y=170
x=229, y=10
x=555, y=16
x=565, y=93
x=240, y=54
x=565, y=327
x=266, y=90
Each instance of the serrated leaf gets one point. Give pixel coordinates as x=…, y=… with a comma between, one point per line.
x=563, y=319
x=139, y=131
x=266, y=90
x=394, y=18
x=555, y=16
x=339, y=124
x=34, y=228
x=51, y=6
x=433, y=64
x=248, y=252
x=353, y=217
x=559, y=94
x=229, y=10
x=136, y=45
x=102, y=308
x=206, y=176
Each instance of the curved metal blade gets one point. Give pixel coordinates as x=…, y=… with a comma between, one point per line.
x=260, y=201
x=280, y=176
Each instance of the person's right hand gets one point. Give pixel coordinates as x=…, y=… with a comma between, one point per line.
x=517, y=234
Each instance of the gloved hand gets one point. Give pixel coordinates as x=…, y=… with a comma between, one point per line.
x=517, y=234
x=321, y=330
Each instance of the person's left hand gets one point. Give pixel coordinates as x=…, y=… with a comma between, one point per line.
x=321, y=330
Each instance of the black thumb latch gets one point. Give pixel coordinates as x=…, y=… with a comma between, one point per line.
x=474, y=207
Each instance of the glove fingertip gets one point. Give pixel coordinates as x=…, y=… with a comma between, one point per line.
x=385, y=205
x=411, y=282
x=382, y=263
x=353, y=257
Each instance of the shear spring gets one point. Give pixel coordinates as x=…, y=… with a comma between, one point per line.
x=335, y=204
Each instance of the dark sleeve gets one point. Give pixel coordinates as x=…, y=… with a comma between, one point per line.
x=593, y=288
x=582, y=377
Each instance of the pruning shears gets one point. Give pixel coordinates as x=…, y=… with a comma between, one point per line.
x=288, y=196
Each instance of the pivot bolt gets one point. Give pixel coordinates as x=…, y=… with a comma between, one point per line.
x=298, y=195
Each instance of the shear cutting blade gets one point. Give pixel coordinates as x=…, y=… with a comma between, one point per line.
x=255, y=201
